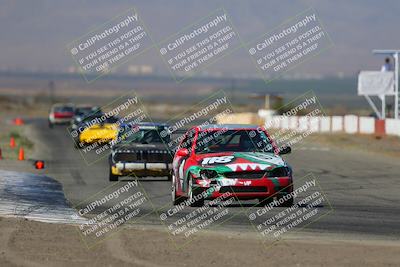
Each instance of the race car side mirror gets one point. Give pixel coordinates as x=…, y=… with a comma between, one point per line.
x=285, y=150
x=183, y=152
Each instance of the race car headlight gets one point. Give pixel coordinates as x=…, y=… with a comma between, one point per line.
x=278, y=172
x=208, y=174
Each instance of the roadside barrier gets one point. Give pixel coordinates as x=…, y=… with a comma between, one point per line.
x=350, y=124
x=380, y=128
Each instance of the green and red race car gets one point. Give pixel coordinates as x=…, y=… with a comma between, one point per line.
x=239, y=161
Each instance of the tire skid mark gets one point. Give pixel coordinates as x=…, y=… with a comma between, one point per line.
x=77, y=177
x=34, y=197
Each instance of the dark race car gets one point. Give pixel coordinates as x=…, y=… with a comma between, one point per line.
x=240, y=160
x=140, y=150
x=81, y=113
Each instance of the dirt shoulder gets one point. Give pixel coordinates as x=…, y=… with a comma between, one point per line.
x=28, y=243
x=387, y=145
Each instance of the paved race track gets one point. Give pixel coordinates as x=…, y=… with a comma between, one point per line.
x=363, y=189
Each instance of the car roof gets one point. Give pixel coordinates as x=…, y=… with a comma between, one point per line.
x=227, y=126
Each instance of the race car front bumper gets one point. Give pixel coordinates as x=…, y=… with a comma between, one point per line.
x=61, y=121
x=142, y=168
x=246, y=188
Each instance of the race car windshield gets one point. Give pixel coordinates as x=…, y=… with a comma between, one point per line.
x=100, y=119
x=141, y=136
x=83, y=110
x=64, y=109
x=233, y=141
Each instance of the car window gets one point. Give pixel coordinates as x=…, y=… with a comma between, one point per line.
x=233, y=140
x=83, y=111
x=63, y=109
x=188, y=140
x=141, y=136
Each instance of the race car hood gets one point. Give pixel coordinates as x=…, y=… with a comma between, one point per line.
x=109, y=126
x=107, y=131
x=240, y=161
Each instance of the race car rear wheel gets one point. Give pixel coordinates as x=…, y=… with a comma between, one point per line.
x=193, y=195
x=112, y=177
x=176, y=200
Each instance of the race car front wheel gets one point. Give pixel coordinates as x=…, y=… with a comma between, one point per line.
x=194, y=197
x=112, y=177
x=288, y=203
x=265, y=201
x=176, y=200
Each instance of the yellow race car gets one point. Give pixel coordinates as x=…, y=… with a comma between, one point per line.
x=97, y=129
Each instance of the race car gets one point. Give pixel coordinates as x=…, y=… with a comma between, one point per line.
x=61, y=114
x=228, y=160
x=140, y=150
x=81, y=113
x=95, y=128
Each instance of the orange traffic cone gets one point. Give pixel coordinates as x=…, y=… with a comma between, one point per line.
x=18, y=121
x=12, y=142
x=21, y=154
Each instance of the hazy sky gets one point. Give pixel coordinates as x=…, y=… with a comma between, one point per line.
x=34, y=34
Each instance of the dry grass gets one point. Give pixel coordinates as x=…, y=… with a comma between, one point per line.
x=388, y=145
x=6, y=132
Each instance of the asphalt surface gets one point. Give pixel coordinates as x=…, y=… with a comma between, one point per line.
x=361, y=190
x=32, y=196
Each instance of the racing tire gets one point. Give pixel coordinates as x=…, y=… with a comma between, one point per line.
x=113, y=177
x=176, y=200
x=51, y=125
x=288, y=203
x=199, y=202
x=265, y=201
